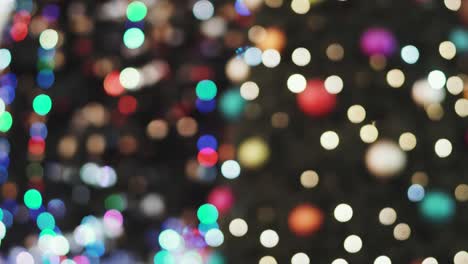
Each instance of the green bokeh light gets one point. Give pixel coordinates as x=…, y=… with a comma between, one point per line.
x=45, y=221
x=437, y=207
x=33, y=199
x=115, y=201
x=1, y=214
x=6, y=121
x=42, y=104
x=136, y=11
x=232, y=104
x=206, y=90
x=133, y=38
x=49, y=232
x=207, y=214
x=164, y=257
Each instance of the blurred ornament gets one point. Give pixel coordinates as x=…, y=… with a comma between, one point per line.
x=437, y=206
x=305, y=219
x=378, y=41
x=253, y=152
x=315, y=100
x=221, y=197
x=274, y=39
x=384, y=159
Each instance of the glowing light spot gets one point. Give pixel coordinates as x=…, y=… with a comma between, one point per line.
x=309, y=179
x=461, y=257
x=352, y=244
x=401, y=232
x=382, y=260
x=296, y=83
x=271, y=58
x=410, y=54
x=453, y=5
x=407, y=141
x=416, y=193
x=33, y=199
x=253, y=56
x=230, y=169
x=461, y=107
x=5, y=58
x=136, y=11
x=214, y=237
x=42, y=104
x=301, y=56
x=455, y=85
x=45, y=221
x=6, y=121
x=343, y=213
x=300, y=6
x=356, y=114
x=133, y=38
x=436, y=79
x=24, y=258
x=207, y=214
x=169, y=239
x=443, y=148
x=430, y=260
x=269, y=238
x=333, y=84
x=48, y=39
x=300, y=258
x=267, y=260
x=238, y=227
x=447, y=50
x=203, y=10
x=387, y=216
x=329, y=140
x=339, y=261
x=249, y=91
x=369, y=133
x=206, y=90
x=395, y=78
x=130, y=78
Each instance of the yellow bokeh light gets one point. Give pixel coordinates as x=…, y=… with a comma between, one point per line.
x=300, y=6
x=253, y=152
x=461, y=192
x=356, y=114
x=309, y=179
x=333, y=84
x=387, y=216
x=335, y=52
x=301, y=56
x=401, y=232
x=296, y=83
x=249, y=91
x=369, y=133
x=407, y=141
x=455, y=85
x=443, y=148
x=329, y=140
x=447, y=50
x=453, y=5
x=461, y=107
x=395, y=78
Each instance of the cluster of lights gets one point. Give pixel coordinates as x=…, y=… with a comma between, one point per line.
x=184, y=244
x=98, y=176
x=134, y=37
